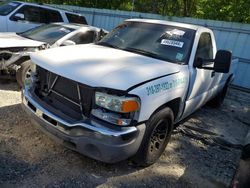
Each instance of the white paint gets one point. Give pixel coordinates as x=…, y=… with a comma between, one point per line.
x=101, y=66
x=8, y=40
x=149, y=104
x=23, y=25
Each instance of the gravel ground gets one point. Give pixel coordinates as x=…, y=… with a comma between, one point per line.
x=204, y=151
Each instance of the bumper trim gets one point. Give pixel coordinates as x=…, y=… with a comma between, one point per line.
x=40, y=112
x=95, y=140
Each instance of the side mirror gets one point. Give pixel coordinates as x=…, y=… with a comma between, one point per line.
x=68, y=43
x=222, y=61
x=19, y=16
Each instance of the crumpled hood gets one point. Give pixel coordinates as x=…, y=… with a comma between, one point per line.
x=100, y=66
x=11, y=40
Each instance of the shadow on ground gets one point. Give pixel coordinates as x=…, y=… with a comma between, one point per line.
x=9, y=85
x=28, y=158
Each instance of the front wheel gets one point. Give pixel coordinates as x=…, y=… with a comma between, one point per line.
x=23, y=73
x=156, y=137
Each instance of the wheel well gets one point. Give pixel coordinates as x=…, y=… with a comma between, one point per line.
x=174, y=105
x=22, y=59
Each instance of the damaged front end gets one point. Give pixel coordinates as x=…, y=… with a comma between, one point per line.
x=62, y=108
x=12, y=58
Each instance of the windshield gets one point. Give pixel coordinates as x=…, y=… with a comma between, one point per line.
x=47, y=33
x=164, y=42
x=8, y=8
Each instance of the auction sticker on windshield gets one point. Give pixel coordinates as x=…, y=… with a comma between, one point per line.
x=176, y=32
x=172, y=43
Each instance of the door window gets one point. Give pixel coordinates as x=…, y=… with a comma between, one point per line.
x=31, y=14
x=205, y=47
x=73, y=18
x=51, y=16
x=38, y=15
x=84, y=37
x=8, y=8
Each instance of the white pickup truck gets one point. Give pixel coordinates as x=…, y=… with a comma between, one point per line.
x=121, y=97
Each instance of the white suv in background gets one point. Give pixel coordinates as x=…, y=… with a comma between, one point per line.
x=20, y=16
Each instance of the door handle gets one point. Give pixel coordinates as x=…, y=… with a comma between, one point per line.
x=212, y=74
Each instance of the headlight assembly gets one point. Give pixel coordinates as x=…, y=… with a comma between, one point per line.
x=115, y=109
x=29, y=76
x=117, y=104
x=110, y=117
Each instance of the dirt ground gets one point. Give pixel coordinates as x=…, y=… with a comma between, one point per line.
x=204, y=151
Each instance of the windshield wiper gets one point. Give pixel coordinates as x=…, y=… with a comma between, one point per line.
x=107, y=44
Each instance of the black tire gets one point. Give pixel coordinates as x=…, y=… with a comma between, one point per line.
x=23, y=73
x=246, y=152
x=217, y=101
x=157, y=135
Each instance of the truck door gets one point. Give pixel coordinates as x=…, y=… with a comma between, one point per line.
x=201, y=80
x=28, y=17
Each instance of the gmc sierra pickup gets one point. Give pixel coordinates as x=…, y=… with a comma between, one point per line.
x=120, y=98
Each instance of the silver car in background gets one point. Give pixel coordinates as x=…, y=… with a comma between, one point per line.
x=15, y=48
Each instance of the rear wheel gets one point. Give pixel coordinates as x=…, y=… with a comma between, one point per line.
x=156, y=137
x=23, y=73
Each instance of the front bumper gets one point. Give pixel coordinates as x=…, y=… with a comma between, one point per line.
x=89, y=138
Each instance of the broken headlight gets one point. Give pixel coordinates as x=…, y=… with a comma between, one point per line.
x=115, y=109
x=44, y=47
x=29, y=77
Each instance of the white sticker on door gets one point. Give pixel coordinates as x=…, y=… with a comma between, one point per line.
x=172, y=43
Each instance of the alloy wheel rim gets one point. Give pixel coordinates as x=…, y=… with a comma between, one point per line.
x=28, y=74
x=158, y=136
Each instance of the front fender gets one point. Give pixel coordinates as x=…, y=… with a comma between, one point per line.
x=156, y=93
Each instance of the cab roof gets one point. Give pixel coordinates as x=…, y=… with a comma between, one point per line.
x=164, y=22
x=45, y=6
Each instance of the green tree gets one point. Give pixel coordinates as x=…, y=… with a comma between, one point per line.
x=228, y=10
